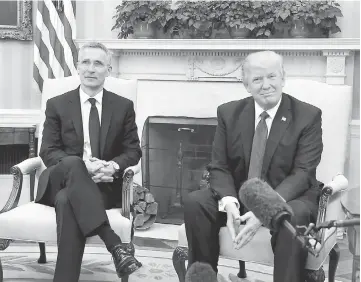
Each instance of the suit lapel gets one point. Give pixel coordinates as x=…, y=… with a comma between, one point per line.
x=75, y=112
x=107, y=112
x=279, y=125
x=247, y=130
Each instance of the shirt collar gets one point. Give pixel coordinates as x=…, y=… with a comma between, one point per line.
x=271, y=112
x=84, y=97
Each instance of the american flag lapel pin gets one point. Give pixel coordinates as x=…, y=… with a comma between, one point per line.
x=283, y=119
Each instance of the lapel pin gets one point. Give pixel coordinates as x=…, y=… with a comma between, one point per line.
x=283, y=119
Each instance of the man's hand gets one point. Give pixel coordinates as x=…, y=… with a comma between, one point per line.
x=93, y=166
x=100, y=177
x=104, y=171
x=248, y=231
x=233, y=219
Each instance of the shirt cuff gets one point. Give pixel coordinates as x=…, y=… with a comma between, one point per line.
x=116, y=167
x=224, y=201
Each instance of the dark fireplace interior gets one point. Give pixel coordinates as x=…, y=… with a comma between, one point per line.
x=176, y=151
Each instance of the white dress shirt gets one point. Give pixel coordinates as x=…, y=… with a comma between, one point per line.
x=85, y=112
x=258, y=111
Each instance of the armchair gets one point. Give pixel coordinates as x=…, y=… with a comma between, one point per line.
x=34, y=222
x=335, y=103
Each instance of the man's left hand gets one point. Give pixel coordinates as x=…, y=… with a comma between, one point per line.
x=248, y=231
x=108, y=169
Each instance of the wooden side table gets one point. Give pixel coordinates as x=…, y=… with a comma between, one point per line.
x=350, y=202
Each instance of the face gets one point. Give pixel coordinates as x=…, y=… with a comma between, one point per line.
x=93, y=68
x=265, y=82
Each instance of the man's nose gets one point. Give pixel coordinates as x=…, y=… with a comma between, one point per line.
x=266, y=84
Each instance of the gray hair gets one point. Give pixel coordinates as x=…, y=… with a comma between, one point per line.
x=97, y=45
x=271, y=55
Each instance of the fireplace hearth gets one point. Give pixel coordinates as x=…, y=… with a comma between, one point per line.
x=176, y=151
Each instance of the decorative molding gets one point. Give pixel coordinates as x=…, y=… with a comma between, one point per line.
x=19, y=117
x=23, y=30
x=355, y=128
x=306, y=44
x=336, y=64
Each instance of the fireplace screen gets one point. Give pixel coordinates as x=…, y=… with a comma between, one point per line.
x=176, y=151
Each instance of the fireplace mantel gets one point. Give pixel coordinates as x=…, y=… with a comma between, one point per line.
x=325, y=44
x=221, y=59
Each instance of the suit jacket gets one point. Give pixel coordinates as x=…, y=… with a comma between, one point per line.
x=63, y=134
x=293, y=149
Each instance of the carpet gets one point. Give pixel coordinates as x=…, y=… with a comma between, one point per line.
x=20, y=265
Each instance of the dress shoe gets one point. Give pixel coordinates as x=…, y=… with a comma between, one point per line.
x=125, y=263
x=315, y=275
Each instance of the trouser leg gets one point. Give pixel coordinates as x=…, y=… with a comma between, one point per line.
x=202, y=223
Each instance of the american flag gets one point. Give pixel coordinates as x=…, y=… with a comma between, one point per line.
x=55, y=54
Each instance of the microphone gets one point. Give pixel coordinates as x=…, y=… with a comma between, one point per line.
x=338, y=223
x=268, y=206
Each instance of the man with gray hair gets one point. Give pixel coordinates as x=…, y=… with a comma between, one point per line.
x=271, y=136
x=83, y=177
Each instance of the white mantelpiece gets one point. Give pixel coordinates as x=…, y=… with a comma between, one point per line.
x=220, y=59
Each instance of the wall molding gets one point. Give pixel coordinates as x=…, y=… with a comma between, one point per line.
x=19, y=117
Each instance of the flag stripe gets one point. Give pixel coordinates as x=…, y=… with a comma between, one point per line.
x=39, y=80
x=69, y=37
x=56, y=22
x=51, y=24
x=55, y=54
x=53, y=64
x=44, y=53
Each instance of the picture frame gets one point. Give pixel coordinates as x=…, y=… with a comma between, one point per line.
x=16, y=20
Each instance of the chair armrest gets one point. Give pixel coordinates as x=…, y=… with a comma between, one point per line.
x=127, y=189
x=14, y=197
x=329, y=206
x=29, y=165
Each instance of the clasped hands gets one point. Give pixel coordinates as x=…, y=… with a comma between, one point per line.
x=234, y=219
x=100, y=171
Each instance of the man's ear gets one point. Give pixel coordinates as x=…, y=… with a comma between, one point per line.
x=109, y=70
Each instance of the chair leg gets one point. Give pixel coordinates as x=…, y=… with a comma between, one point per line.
x=3, y=245
x=334, y=257
x=242, y=269
x=124, y=279
x=180, y=255
x=42, y=258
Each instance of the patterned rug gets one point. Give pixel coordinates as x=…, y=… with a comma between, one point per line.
x=20, y=265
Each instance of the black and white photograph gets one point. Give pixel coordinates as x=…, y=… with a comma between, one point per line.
x=180, y=141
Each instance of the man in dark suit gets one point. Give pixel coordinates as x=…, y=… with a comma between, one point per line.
x=272, y=136
x=89, y=138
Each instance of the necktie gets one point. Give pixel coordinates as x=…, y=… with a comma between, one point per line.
x=94, y=129
x=258, y=147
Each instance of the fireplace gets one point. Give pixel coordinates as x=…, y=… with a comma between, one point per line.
x=176, y=151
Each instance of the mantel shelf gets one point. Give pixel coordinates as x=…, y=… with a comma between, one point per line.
x=326, y=44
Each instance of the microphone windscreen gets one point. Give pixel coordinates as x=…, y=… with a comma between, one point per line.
x=200, y=272
x=263, y=201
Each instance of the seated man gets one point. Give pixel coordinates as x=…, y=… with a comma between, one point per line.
x=89, y=138
x=272, y=136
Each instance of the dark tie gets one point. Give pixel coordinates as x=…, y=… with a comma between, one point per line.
x=258, y=147
x=94, y=129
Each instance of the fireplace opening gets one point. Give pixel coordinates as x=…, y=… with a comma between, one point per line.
x=176, y=151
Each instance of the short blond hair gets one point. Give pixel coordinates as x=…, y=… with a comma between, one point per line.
x=261, y=55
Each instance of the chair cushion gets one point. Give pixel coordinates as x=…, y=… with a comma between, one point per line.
x=257, y=250
x=37, y=223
